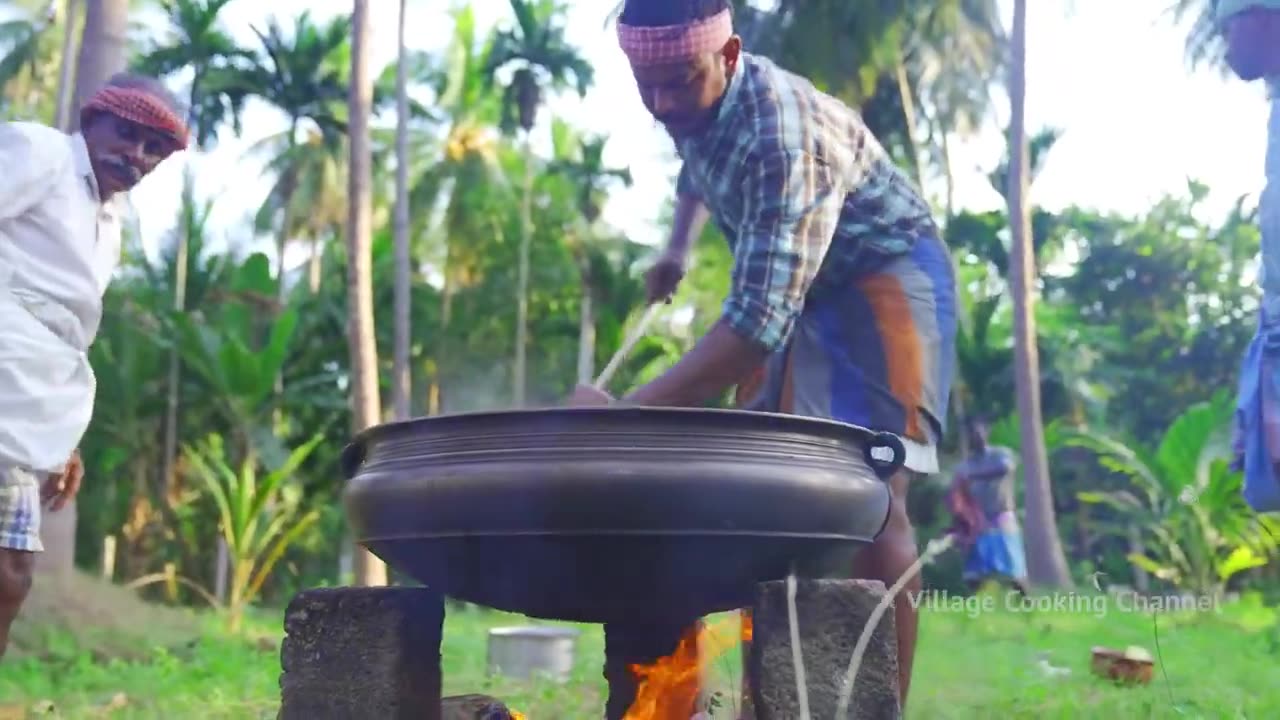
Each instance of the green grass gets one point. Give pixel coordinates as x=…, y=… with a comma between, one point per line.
x=1217, y=666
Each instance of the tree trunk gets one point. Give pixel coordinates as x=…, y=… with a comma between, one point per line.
x=103, y=48
x=102, y=54
x=522, y=283
x=289, y=186
x=66, y=75
x=949, y=174
x=365, y=400
x=315, y=264
x=1141, y=580
x=586, y=330
x=909, y=118
x=1046, y=563
x=401, y=384
x=181, y=263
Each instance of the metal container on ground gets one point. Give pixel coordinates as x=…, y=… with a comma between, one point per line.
x=536, y=651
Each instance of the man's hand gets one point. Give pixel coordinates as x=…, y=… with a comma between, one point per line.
x=664, y=277
x=60, y=488
x=589, y=396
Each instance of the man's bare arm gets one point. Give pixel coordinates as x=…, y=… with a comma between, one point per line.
x=690, y=218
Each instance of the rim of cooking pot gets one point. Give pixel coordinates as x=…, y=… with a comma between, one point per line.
x=834, y=429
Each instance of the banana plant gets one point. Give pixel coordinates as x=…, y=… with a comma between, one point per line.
x=259, y=516
x=237, y=344
x=1197, y=531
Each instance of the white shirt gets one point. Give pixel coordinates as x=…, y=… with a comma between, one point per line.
x=59, y=245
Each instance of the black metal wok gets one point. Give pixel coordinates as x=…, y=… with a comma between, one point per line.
x=615, y=514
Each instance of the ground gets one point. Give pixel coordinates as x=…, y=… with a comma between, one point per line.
x=970, y=665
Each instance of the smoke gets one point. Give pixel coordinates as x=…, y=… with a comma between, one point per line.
x=478, y=391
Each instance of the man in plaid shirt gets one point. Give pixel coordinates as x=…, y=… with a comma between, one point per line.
x=842, y=300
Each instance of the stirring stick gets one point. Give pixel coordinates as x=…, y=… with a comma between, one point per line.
x=628, y=343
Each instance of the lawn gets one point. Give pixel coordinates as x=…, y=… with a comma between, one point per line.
x=982, y=665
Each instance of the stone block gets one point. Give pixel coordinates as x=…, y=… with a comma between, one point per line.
x=360, y=653
x=831, y=615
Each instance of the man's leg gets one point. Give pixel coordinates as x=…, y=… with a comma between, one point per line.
x=19, y=541
x=16, y=568
x=887, y=560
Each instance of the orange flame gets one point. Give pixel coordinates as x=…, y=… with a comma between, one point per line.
x=668, y=689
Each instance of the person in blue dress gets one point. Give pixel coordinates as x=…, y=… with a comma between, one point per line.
x=983, y=500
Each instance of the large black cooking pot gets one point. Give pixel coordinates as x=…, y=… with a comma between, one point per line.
x=613, y=514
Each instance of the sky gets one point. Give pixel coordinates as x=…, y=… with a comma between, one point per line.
x=1136, y=123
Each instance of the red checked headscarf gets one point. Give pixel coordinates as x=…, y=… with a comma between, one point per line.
x=138, y=106
x=675, y=43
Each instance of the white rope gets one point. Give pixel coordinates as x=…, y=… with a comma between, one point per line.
x=935, y=548
x=797, y=657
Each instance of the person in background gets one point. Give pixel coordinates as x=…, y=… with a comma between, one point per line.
x=1252, y=32
x=966, y=516
x=60, y=207
x=842, y=294
x=983, y=493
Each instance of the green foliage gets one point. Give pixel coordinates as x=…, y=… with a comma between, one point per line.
x=259, y=517
x=541, y=58
x=1198, y=533
x=973, y=665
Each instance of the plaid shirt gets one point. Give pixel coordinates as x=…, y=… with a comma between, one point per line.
x=806, y=195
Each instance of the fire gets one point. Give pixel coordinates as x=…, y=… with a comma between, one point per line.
x=668, y=689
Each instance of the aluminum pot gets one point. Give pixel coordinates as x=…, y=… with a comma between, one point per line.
x=616, y=514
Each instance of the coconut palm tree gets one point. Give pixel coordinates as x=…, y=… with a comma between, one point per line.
x=66, y=78
x=1046, y=562
x=401, y=387
x=365, y=398
x=541, y=59
x=104, y=49
x=302, y=72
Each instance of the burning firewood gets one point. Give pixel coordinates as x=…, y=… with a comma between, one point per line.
x=476, y=707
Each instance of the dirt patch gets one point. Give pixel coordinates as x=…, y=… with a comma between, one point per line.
x=78, y=613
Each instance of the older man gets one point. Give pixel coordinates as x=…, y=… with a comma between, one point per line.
x=842, y=295
x=1252, y=31
x=59, y=245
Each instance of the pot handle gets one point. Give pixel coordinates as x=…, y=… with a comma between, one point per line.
x=881, y=445
x=351, y=458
